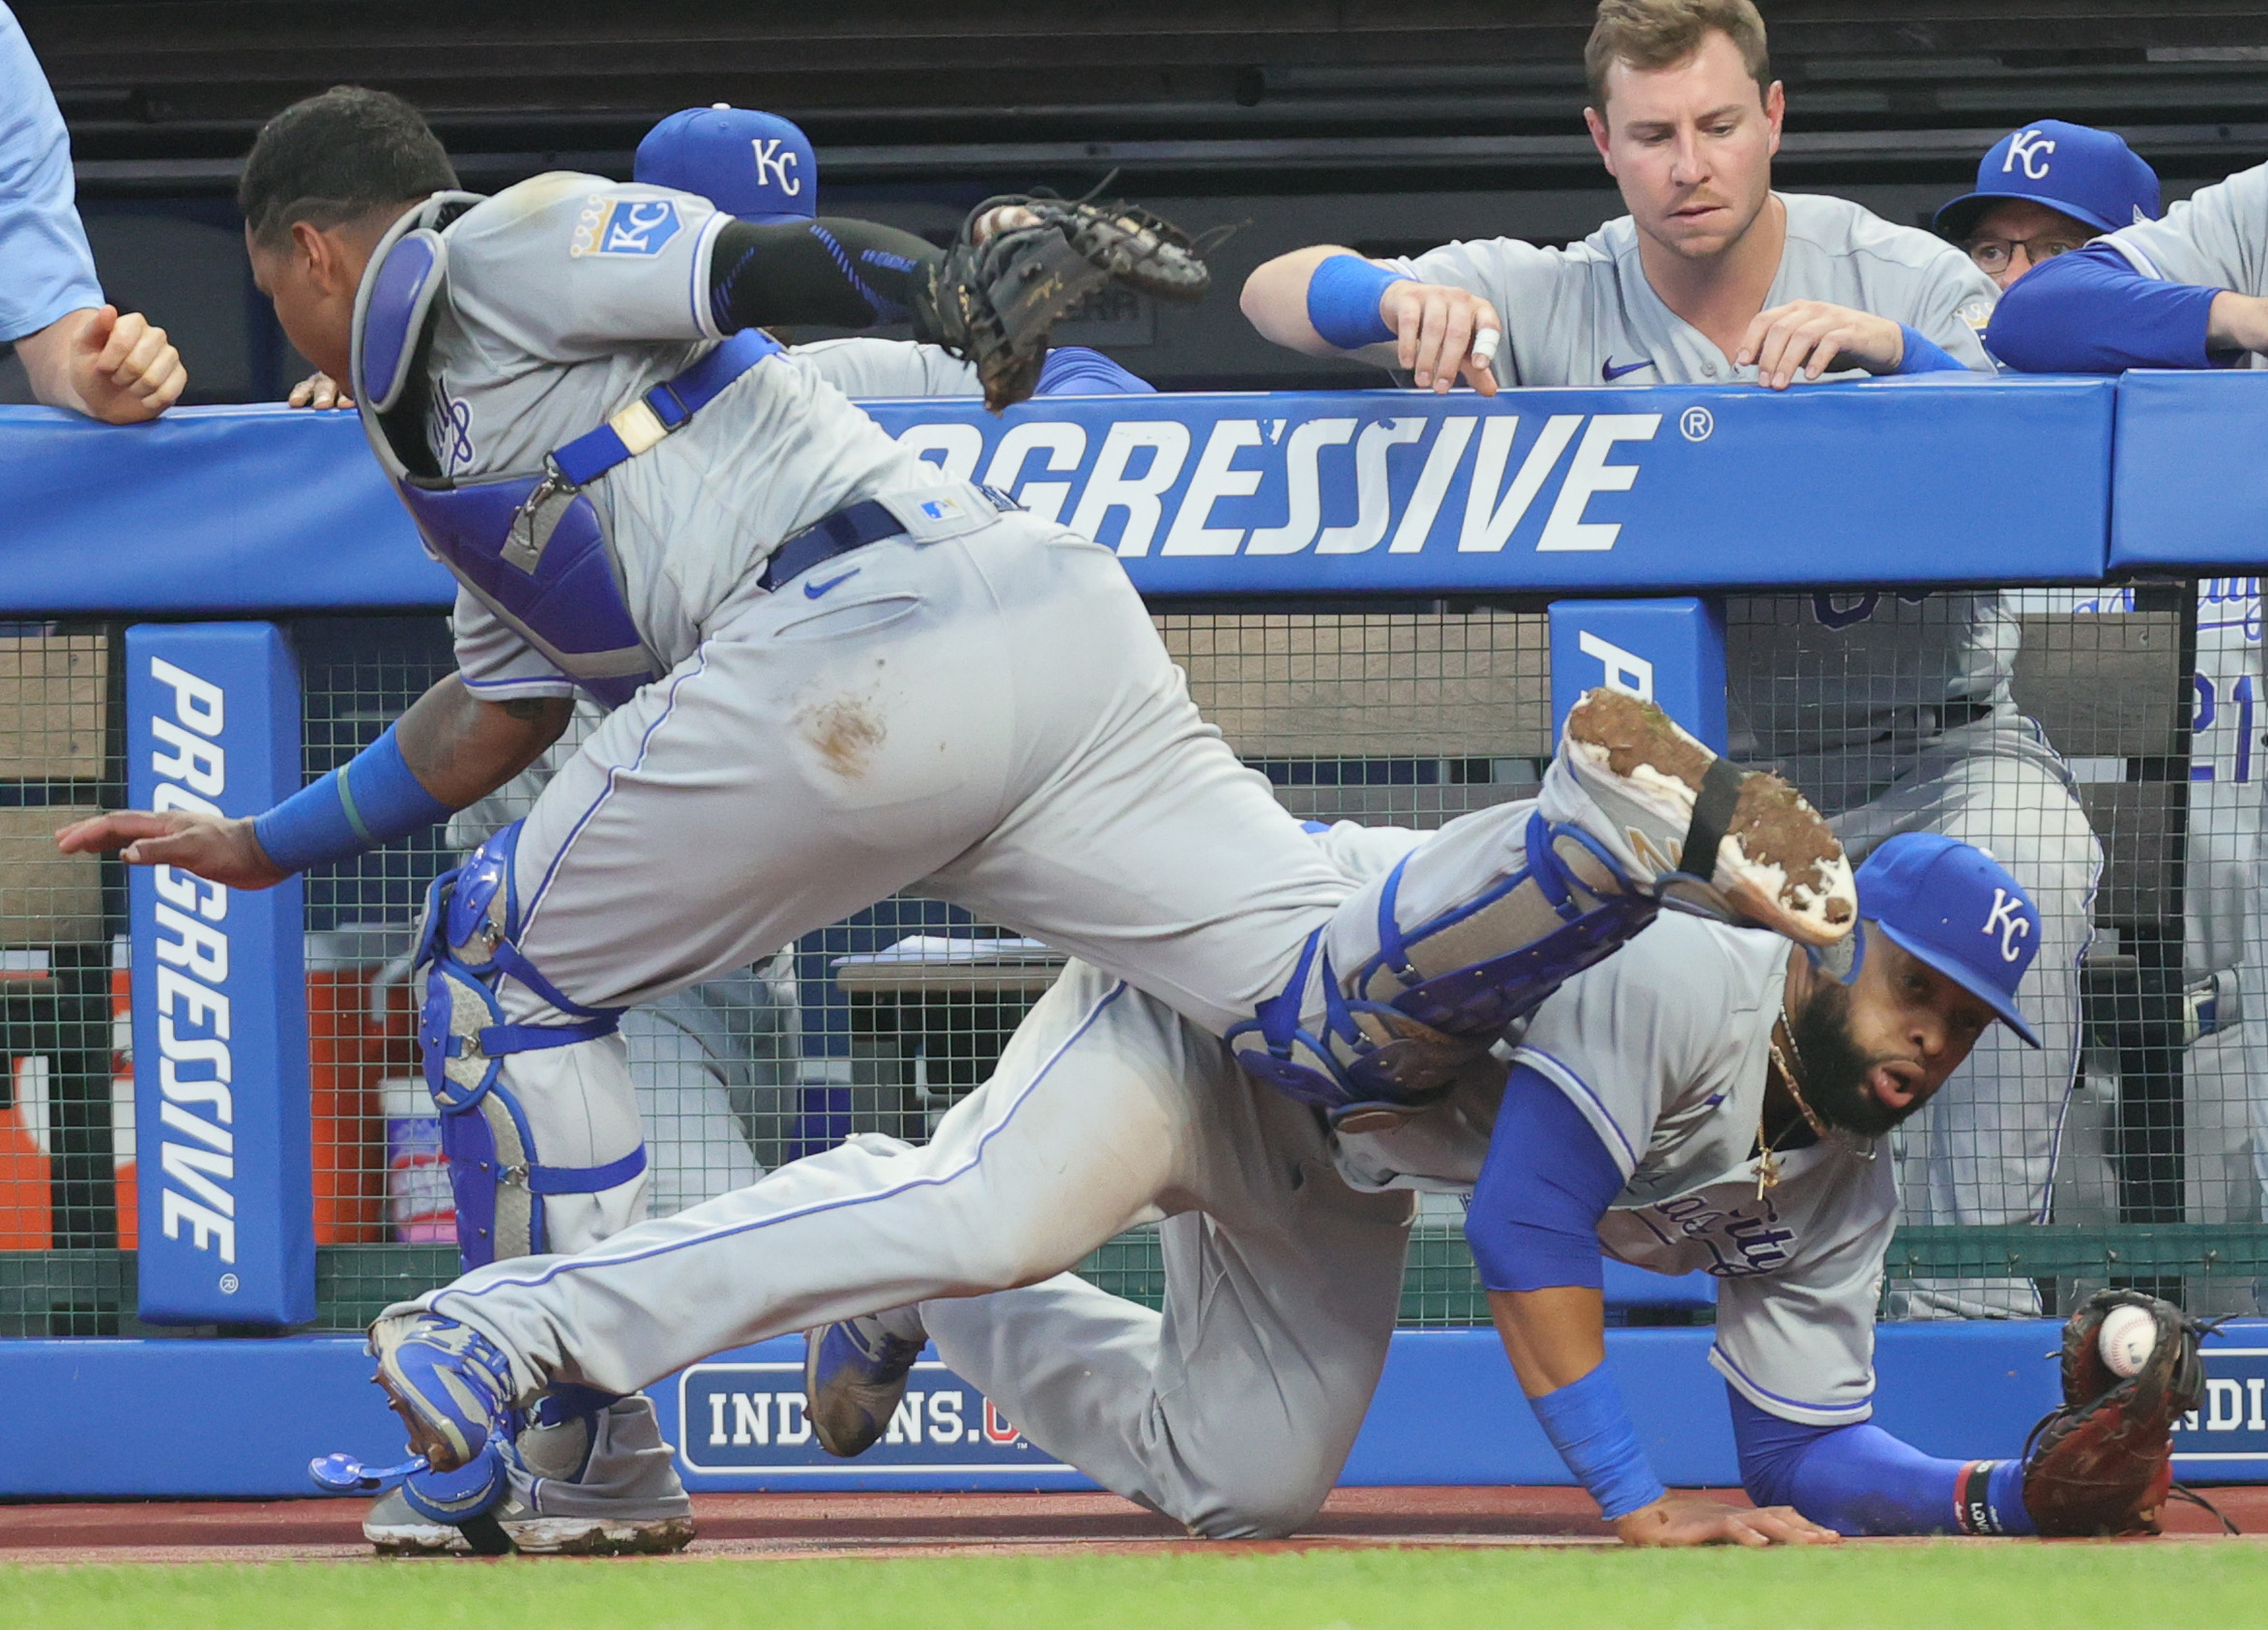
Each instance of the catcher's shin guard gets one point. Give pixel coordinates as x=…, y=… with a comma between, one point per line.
x=1414, y=1019
x=465, y=949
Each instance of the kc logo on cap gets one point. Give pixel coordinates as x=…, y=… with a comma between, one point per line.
x=755, y=165
x=2009, y=920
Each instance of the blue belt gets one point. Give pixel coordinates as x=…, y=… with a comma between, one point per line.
x=852, y=527
x=672, y=402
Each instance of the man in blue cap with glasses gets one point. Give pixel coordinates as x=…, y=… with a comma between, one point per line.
x=2044, y=191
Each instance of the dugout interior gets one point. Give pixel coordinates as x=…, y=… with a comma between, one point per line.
x=1406, y=713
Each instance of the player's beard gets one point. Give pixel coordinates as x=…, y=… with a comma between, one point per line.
x=1835, y=1067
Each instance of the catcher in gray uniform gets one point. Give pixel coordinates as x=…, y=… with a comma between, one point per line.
x=1891, y=712
x=712, y=1063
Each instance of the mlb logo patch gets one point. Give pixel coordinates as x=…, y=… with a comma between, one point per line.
x=941, y=509
x=631, y=227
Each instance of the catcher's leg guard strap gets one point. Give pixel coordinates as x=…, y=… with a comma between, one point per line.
x=499, y=1184
x=1433, y=995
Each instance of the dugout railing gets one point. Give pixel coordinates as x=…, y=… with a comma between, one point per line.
x=1382, y=599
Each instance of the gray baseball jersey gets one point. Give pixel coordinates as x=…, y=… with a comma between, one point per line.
x=1837, y=673
x=568, y=296
x=1663, y=1049
x=2217, y=237
x=1586, y=315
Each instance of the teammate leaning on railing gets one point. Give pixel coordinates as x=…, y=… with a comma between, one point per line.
x=1892, y=712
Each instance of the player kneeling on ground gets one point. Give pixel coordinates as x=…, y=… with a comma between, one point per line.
x=1708, y=1099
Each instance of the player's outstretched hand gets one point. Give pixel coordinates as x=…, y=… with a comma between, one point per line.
x=215, y=847
x=1806, y=337
x=319, y=391
x=1696, y=1520
x=125, y=370
x=1437, y=332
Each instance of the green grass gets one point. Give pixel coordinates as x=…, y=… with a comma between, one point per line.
x=1985, y=1588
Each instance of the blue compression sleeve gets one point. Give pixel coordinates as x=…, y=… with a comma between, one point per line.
x=1534, y=1217
x=1924, y=355
x=1860, y=1480
x=1343, y=296
x=1073, y=370
x=372, y=800
x=1587, y=1424
x=2090, y=311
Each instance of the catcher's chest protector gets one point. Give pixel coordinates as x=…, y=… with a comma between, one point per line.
x=531, y=547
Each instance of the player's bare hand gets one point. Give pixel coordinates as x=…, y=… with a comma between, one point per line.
x=319, y=391
x=1437, y=332
x=123, y=370
x=215, y=847
x=1806, y=337
x=1677, y=1520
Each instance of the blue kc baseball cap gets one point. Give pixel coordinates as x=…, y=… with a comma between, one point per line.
x=2086, y=173
x=755, y=165
x=1959, y=911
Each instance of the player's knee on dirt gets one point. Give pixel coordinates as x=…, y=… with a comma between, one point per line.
x=1269, y=1491
x=497, y=1173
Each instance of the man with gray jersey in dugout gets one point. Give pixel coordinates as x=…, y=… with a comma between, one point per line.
x=1892, y=712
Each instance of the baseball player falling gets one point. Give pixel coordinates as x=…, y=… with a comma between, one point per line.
x=1106, y=1112
x=1706, y=1099
x=1891, y=712
x=833, y=673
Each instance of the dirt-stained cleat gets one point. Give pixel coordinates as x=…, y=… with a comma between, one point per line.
x=450, y=1384
x=1743, y=845
x=855, y=1374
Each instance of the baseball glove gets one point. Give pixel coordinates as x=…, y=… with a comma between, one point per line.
x=2103, y=1463
x=993, y=303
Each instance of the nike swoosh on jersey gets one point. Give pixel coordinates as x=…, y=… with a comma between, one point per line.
x=1608, y=372
x=812, y=591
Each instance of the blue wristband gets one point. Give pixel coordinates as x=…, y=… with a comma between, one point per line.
x=372, y=800
x=1587, y=1424
x=1923, y=355
x=1342, y=297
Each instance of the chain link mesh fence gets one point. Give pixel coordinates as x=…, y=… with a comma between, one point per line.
x=2061, y=729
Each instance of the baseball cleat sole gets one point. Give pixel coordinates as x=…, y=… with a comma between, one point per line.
x=1778, y=864
x=445, y=1443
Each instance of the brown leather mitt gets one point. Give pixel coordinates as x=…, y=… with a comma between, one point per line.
x=2103, y=1463
x=994, y=302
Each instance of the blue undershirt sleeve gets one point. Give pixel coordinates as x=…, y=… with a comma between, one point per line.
x=1924, y=355
x=1860, y=1480
x=1073, y=370
x=1534, y=1218
x=2090, y=311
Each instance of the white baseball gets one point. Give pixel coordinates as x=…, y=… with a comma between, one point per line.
x=2127, y=1338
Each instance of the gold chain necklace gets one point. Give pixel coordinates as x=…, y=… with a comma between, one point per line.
x=1767, y=1165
